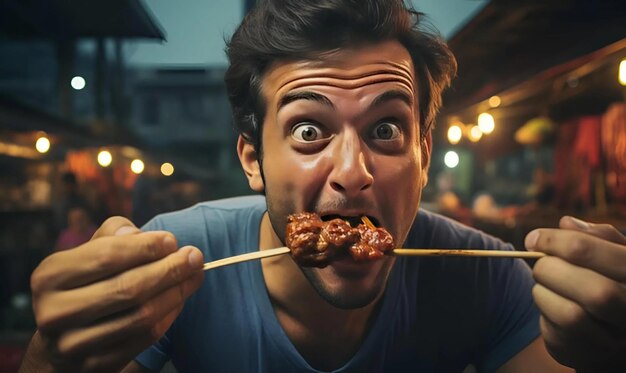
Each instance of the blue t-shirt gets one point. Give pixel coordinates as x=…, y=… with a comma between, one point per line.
x=438, y=314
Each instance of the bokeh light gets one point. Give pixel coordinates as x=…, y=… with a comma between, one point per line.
x=137, y=166
x=494, y=101
x=451, y=159
x=167, y=169
x=475, y=134
x=105, y=158
x=42, y=144
x=454, y=134
x=486, y=123
x=78, y=83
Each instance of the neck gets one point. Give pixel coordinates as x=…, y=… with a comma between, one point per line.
x=326, y=336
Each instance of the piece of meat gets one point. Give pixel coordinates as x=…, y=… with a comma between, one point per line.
x=303, y=232
x=315, y=243
x=373, y=243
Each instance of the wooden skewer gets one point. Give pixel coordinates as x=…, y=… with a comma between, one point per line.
x=245, y=257
x=409, y=252
x=368, y=222
x=475, y=253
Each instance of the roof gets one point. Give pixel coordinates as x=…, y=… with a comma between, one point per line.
x=16, y=116
x=555, y=58
x=66, y=19
x=509, y=42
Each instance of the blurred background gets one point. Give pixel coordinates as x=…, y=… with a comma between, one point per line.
x=118, y=107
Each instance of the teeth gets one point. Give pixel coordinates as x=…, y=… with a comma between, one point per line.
x=353, y=220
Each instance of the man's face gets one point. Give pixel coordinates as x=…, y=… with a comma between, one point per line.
x=341, y=137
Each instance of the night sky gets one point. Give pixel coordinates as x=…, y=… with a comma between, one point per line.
x=196, y=29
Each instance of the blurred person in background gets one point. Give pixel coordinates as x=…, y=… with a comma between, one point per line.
x=69, y=195
x=79, y=230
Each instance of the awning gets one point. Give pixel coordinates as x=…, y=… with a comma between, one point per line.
x=67, y=19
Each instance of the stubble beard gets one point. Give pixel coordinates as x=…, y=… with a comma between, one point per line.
x=348, y=299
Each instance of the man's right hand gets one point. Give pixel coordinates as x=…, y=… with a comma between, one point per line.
x=100, y=304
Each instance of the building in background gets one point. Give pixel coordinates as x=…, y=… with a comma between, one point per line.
x=184, y=112
x=183, y=117
x=61, y=79
x=539, y=110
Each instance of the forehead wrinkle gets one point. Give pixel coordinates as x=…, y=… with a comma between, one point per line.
x=387, y=62
x=404, y=85
x=346, y=80
x=406, y=90
x=345, y=83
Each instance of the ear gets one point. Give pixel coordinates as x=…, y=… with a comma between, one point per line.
x=426, y=146
x=250, y=164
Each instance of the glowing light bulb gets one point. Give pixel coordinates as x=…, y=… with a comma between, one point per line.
x=105, y=158
x=451, y=159
x=78, y=83
x=43, y=144
x=494, y=101
x=486, y=123
x=167, y=169
x=454, y=134
x=622, y=72
x=137, y=166
x=475, y=134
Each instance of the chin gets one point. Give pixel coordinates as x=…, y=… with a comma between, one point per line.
x=347, y=284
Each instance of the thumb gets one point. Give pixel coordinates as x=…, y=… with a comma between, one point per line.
x=116, y=226
x=604, y=231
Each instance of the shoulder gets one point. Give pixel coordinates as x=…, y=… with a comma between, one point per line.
x=213, y=211
x=211, y=221
x=437, y=231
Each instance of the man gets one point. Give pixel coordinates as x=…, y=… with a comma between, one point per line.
x=334, y=101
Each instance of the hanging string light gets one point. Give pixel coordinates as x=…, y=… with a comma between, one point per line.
x=474, y=133
x=486, y=123
x=451, y=159
x=137, y=166
x=105, y=158
x=167, y=169
x=42, y=144
x=455, y=132
x=494, y=101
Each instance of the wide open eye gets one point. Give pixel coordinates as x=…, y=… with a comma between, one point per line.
x=307, y=132
x=386, y=131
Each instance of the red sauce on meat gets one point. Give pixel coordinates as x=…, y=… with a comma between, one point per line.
x=315, y=243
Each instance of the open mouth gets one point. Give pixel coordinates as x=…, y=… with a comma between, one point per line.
x=353, y=220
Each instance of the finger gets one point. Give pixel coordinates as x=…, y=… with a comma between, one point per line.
x=605, y=231
x=581, y=249
x=81, y=306
x=570, y=319
x=598, y=295
x=553, y=338
x=584, y=355
x=153, y=317
x=116, y=226
x=115, y=357
x=100, y=258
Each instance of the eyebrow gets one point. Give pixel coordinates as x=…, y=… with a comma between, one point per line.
x=394, y=94
x=304, y=95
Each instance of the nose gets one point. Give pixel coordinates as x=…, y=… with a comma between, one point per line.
x=350, y=174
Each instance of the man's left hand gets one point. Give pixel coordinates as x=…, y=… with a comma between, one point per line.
x=581, y=292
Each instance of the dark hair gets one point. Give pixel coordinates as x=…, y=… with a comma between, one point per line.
x=300, y=29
